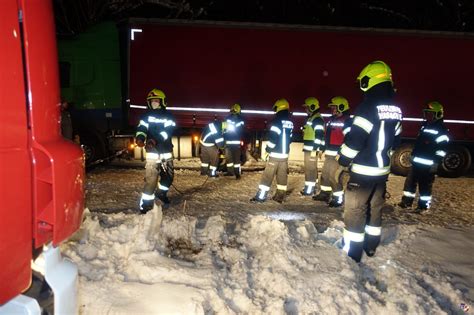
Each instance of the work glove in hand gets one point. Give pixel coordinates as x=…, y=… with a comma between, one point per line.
x=140, y=143
x=434, y=168
x=150, y=144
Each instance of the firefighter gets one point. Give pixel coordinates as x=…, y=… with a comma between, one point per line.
x=232, y=128
x=211, y=142
x=375, y=130
x=337, y=127
x=155, y=131
x=278, y=149
x=429, y=150
x=313, y=137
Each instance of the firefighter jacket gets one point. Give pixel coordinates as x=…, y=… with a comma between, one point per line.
x=336, y=129
x=233, y=128
x=212, y=135
x=159, y=125
x=430, y=145
x=280, y=134
x=375, y=130
x=313, y=133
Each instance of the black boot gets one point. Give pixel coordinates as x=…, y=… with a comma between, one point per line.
x=335, y=204
x=164, y=199
x=279, y=196
x=371, y=242
x=406, y=202
x=146, y=205
x=322, y=196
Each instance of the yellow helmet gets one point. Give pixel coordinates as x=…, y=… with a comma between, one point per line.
x=340, y=102
x=312, y=104
x=281, y=104
x=156, y=94
x=374, y=73
x=436, y=108
x=235, y=109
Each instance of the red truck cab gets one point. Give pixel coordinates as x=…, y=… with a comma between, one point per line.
x=41, y=173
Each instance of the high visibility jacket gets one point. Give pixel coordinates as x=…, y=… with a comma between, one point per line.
x=313, y=133
x=159, y=125
x=336, y=129
x=375, y=130
x=212, y=135
x=430, y=145
x=280, y=134
x=233, y=127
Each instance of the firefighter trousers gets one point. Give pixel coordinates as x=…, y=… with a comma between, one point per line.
x=275, y=167
x=209, y=160
x=310, y=172
x=328, y=181
x=363, y=218
x=232, y=156
x=162, y=169
x=422, y=177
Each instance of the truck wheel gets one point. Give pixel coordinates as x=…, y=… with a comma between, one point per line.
x=93, y=148
x=401, y=159
x=456, y=162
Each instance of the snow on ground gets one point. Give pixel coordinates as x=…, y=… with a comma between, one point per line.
x=214, y=252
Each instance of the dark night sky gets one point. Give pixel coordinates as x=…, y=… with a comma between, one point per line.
x=438, y=15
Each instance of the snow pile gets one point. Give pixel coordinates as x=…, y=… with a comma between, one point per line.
x=148, y=264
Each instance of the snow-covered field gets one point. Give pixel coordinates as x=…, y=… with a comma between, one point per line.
x=214, y=252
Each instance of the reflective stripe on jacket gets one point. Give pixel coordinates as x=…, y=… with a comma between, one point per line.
x=279, y=135
x=159, y=125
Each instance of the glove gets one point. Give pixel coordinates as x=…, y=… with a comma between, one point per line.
x=140, y=143
x=150, y=144
x=434, y=168
x=338, y=173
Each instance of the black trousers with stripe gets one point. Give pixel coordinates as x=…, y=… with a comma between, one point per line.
x=362, y=214
x=422, y=177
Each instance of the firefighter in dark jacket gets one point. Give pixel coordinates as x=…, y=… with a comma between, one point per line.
x=155, y=131
x=337, y=127
x=366, y=150
x=278, y=149
x=233, y=128
x=211, y=141
x=429, y=150
x=313, y=137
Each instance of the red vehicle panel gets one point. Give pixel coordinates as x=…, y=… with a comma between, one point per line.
x=58, y=164
x=15, y=163
x=41, y=174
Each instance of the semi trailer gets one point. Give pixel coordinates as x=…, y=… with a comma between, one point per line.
x=204, y=67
